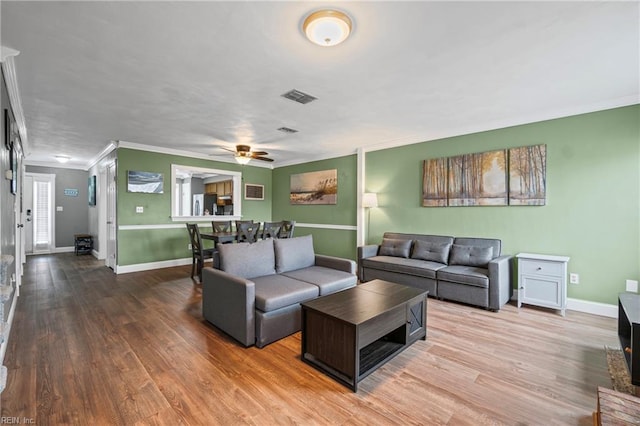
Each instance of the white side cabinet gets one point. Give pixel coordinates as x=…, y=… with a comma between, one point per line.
x=542, y=280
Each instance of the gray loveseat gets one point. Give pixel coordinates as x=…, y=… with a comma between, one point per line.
x=255, y=296
x=468, y=270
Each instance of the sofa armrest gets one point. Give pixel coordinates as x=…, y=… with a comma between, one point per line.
x=228, y=302
x=338, y=263
x=364, y=252
x=500, y=288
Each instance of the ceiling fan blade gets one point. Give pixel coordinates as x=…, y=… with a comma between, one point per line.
x=263, y=159
x=227, y=149
x=259, y=153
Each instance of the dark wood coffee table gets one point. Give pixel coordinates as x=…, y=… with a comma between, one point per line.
x=349, y=334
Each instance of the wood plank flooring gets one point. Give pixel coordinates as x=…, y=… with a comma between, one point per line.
x=91, y=348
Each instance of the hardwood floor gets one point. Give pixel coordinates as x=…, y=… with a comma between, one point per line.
x=91, y=348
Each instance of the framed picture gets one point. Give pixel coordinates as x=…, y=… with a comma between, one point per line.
x=478, y=179
x=434, y=182
x=314, y=187
x=147, y=182
x=528, y=176
x=13, y=158
x=92, y=190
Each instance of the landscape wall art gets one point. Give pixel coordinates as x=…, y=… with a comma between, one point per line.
x=314, y=187
x=487, y=178
x=528, y=175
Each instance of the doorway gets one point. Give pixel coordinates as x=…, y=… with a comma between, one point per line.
x=110, y=260
x=39, y=207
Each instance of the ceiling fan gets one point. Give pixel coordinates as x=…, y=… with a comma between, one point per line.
x=243, y=154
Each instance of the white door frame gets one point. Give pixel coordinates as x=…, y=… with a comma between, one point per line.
x=112, y=217
x=52, y=179
x=101, y=195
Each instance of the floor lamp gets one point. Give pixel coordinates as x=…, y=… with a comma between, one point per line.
x=369, y=200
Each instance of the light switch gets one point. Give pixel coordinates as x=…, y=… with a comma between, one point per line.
x=58, y=208
x=139, y=209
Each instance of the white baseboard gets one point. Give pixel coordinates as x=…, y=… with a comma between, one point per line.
x=596, y=308
x=586, y=306
x=65, y=249
x=152, y=265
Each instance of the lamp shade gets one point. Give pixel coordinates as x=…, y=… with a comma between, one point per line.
x=370, y=199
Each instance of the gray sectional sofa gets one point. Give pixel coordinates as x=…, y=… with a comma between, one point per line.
x=255, y=296
x=468, y=270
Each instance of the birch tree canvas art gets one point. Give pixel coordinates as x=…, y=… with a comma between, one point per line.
x=478, y=179
x=528, y=175
x=434, y=182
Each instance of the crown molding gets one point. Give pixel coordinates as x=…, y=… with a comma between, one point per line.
x=56, y=165
x=111, y=146
x=10, y=78
x=337, y=154
x=182, y=153
x=537, y=117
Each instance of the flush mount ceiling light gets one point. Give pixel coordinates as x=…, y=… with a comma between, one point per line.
x=327, y=27
x=63, y=158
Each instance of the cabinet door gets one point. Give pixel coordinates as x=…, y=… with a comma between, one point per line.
x=542, y=291
x=416, y=319
x=228, y=187
x=210, y=188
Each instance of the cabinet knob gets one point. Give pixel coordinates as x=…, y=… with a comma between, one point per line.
x=627, y=350
x=539, y=268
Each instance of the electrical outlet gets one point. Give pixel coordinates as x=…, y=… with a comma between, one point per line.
x=188, y=246
x=574, y=278
x=632, y=286
x=139, y=209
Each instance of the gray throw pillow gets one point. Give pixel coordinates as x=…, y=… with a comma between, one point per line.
x=435, y=252
x=470, y=255
x=396, y=248
x=248, y=260
x=294, y=253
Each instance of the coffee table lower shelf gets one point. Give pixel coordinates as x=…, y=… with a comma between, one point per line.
x=350, y=334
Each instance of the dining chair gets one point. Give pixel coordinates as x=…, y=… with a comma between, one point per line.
x=286, y=231
x=198, y=253
x=271, y=229
x=221, y=226
x=247, y=232
x=240, y=222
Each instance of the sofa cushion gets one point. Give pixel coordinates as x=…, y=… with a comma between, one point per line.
x=470, y=255
x=248, y=260
x=327, y=279
x=420, y=268
x=294, y=253
x=396, y=248
x=277, y=291
x=470, y=275
x=435, y=252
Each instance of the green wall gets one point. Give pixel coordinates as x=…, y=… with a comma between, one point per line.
x=153, y=245
x=593, y=197
x=335, y=242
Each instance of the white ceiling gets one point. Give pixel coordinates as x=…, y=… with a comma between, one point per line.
x=197, y=76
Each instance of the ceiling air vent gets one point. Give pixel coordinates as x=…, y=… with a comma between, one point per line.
x=287, y=130
x=298, y=96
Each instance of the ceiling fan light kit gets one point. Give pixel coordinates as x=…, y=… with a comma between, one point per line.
x=243, y=154
x=327, y=27
x=242, y=159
